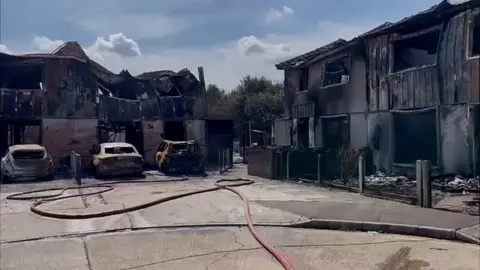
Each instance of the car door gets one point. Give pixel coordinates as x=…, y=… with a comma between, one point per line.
x=161, y=153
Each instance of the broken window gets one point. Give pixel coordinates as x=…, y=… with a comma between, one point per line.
x=119, y=150
x=337, y=72
x=475, y=51
x=303, y=83
x=415, y=137
x=25, y=77
x=416, y=51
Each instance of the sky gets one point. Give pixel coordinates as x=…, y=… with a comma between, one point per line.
x=230, y=39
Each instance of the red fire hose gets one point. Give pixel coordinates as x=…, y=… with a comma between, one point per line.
x=229, y=184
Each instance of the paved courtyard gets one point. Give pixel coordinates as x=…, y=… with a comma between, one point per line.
x=165, y=237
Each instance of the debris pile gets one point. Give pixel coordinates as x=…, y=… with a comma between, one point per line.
x=400, y=184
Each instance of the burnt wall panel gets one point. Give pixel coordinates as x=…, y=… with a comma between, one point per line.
x=473, y=67
x=85, y=91
x=60, y=136
x=414, y=88
x=454, y=139
x=454, y=73
x=71, y=89
x=378, y=69
x=152, y=134
x=261, y=162
x=196, y=130
x=291, y=84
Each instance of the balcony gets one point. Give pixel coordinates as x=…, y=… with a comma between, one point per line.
x=21, y=104
x=118, y=110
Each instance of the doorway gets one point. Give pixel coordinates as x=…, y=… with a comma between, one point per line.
x=19, y=132
x=174, y=130
x=303, y=133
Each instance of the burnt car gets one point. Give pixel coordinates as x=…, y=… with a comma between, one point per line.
x=26, y=161
x=179, y=157
x=116, y=159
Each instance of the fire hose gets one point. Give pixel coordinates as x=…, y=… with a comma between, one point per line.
x=227, y=184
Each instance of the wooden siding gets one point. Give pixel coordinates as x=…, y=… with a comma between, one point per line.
x=452, y=55
x=71, y=89
x=378, y=70
x=417, y=88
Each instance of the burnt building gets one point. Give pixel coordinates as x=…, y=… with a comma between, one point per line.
x=407, y=90
x=67, y=102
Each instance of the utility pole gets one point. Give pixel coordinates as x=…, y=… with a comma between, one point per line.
x=250, y=132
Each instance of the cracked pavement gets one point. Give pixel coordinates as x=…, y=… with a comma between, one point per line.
x=153, y=238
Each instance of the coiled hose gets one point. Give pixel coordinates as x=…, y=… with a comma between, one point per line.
x=227, y=184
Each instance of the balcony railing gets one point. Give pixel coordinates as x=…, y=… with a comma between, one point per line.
x=21, y=104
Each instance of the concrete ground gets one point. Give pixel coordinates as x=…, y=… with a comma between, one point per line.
x=132, y=239
x=235, y=248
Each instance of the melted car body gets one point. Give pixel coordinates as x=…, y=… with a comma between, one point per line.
x=116, y=159
x=26, y=161
x=179, y=157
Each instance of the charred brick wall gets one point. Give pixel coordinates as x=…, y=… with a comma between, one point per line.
x=60, y=136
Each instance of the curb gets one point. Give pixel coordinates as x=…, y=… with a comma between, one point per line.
x=415, y=230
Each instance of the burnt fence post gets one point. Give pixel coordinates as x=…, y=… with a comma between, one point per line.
x=361, y=173
x=319, y=168
x=419, y=183
x=426, y=183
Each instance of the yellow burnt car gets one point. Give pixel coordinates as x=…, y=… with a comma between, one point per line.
x=179, y=157
x=116, y=159
x=26, y=161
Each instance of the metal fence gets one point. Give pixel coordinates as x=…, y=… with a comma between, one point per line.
x=225, y=160
x=75, y=167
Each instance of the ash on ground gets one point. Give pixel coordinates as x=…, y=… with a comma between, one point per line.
x=399, y=184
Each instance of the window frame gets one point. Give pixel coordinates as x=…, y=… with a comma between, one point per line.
x=470, y=29
x=349, y=68
x=399, y=37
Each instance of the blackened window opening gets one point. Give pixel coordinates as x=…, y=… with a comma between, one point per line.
x=416, y=51
x=303, y=133
x=415, y=137
x=337, y=72
x=29, y=77
x=304, y=76
x=476, y=36
x=335, y=132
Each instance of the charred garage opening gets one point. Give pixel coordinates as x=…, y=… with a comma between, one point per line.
x=336, y=132
x=174, y=130
x=415, y=136
x=220, y=137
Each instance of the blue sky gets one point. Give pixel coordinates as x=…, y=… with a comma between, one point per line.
x=229, y=38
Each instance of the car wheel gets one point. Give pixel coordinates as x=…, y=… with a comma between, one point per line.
x=165, y=169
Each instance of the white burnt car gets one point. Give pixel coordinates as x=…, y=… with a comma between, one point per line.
x=26, y=161
x=116, y=159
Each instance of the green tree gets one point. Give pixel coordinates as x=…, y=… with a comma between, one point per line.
x=255, y=99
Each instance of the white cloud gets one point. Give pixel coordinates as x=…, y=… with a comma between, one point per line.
x=274, y=14
x=226, y=63
x=4, y=49
x=44, y=44
x=117, y=44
